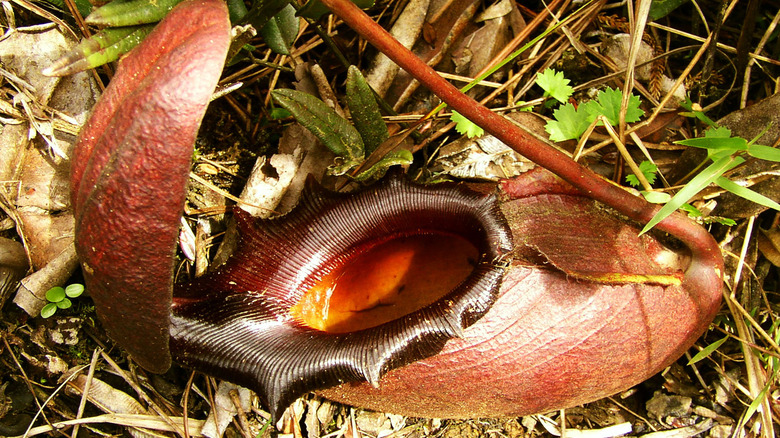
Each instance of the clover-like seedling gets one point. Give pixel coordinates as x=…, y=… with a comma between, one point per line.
x=59, y=298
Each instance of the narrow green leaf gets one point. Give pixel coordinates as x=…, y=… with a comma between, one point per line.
x=131, y=13
x=399, y=158
x=55, y=294
x=279, y=113
x=48, y=310
x=688, y=104
x=732, y=144
x=656, y=197
x=331, y=129
x=764, y=152
x=746, y=193
x=262, y=11
x=365, y=111
x=280, y=32
x=708, y=350
x=101, y=48
x=754, y=405
x=692, y=211
x=237, y=10
x=662, y=8
x=699, y=182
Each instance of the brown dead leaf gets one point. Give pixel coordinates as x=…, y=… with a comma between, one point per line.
x=34, y=167
x=13, y=265
x=769, y=245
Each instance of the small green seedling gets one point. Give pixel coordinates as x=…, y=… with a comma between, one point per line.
x=555, y=85
x=648, y=169
x=569, y=121
x=59, y=298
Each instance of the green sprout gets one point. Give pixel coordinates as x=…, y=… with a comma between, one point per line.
x=59, y=298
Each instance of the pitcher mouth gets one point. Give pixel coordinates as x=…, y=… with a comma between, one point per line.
x=344, y=288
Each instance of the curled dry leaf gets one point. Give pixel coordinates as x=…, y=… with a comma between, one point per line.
x=13, y=265
x=769, y=245
x=406, y=29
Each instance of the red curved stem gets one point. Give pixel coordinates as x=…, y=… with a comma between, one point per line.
x=704, y=249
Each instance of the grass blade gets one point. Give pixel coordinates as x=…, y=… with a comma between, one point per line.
x=746, y=193
x=708, y=350
x=699, y=182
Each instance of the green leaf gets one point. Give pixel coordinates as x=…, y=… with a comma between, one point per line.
x=365, y=111
x=465, y=126
x=717, y=140
x=262, y=11
x=696, y=113
x=236, y=10
x=555, y=85
x=692, y=211
x=569, y=123
x=708, y=350
x=721, y=220
x=608, y=103
x=314, y=9
x=648, y=169
x=279, y=113
x=756, y=403
x=48, y=310
x=281, y=30
x=101, y=48
x=764, y=152
x=718, y=132
x=699, y=182
x=746, y=193
x=399, y=158
x=131, y=13
x=84, y=6
x=656, y=197
x=64, y=304
x=331, y=129
x=74, y=290
x=662, y=8
x=55, y=294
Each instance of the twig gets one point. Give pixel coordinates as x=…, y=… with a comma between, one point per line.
x=131, y=420
x=85, y=392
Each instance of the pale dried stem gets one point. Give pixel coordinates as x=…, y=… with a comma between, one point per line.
x=621, y=147
x=141, y=393
x=755, y=375
x=722, y=46
x=84, y=394
x=638, y=30
x=749, y=68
